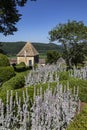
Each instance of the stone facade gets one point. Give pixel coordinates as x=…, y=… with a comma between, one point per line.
x=28, y=55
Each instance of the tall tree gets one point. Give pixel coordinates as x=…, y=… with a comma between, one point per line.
x=9, y=15
x=52, y=56
x=71, y=34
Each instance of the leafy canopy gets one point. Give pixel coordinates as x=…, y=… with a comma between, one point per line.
x=71, y=34
x=4, y=61
x=9, y=15
x=52, y=56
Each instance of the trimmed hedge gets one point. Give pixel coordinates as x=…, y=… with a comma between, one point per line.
x=8, y=86
x=6, y=73
x=4, y=61
x=20, y=67
x=22, y=64
x=14, y=83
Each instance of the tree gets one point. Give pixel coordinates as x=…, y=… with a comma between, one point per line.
x=71, y=34
x=4, y=61
x=52, y=56
x=9, y=15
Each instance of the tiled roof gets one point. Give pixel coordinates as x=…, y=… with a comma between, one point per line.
x=28, y=50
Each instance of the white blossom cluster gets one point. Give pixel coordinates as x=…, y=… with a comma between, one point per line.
x=43, y=74
x=79, y=73
x=54, y=111
x=50, y=111
x=15, y=114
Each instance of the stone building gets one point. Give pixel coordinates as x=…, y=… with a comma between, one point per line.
x=28, y=55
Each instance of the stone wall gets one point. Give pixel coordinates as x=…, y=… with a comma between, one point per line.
x=25, y=60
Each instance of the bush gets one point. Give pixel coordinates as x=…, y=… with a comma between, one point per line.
x=9, y=85
x=6, y=73
x=4, y=61
x=15, y=82
x=22, y=64
x=63, y=75
x=20, y=67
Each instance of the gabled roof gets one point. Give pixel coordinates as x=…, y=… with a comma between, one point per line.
x=61, y=60
x=28, y=50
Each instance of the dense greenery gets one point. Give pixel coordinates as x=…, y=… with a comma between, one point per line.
x=72, y=35
x=12, y=48
x=9, y=15
x=15, y=82
x=20, y=67
x=6, y=73
x=52, y=57
x=4, y=61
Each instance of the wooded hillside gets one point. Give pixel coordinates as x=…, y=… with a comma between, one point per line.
x=12, y=48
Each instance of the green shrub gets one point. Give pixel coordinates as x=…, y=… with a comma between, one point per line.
x=14, y=83
x=20, y=67
x=6, y=73
x=35, y=66
x=22, y=64
x=4, y=61
x=10, y=86
x=63, y=75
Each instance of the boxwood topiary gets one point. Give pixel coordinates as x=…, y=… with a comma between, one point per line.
x=6, y=73
x=4, y=61
x=14, y=83
x=20, y=67
x=22, y=64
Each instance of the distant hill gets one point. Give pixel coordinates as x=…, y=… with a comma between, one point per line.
x=12, y=48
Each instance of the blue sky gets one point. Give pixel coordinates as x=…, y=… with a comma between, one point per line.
x=39, y=17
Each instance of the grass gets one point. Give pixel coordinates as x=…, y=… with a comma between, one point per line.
x=80, y=121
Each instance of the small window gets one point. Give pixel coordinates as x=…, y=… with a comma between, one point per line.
x=30, y=62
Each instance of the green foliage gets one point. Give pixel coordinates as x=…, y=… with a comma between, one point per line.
x=6, y=73
x=71, y=35
x=63, y=75
x=52, y=57
x=35, y=66
x=4, y=61
x=78, y=54
x=20, y=67
x=14, y=83
x=9, y=15
x=80, y=121
x=22, y=64
x=9, y=86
